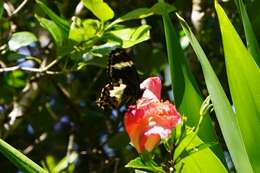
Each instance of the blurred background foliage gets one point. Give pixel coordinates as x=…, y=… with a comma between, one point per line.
x=59, y=119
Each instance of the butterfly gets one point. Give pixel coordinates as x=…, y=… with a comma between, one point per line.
x=123, y=86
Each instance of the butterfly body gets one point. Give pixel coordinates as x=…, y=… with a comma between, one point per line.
x=124, y=81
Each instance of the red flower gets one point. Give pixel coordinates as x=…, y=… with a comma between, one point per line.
x=150, y=120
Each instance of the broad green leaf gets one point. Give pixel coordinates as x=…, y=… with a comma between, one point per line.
x=186, y=94
x=222, y=107
x=21, y=39
x=202, y=161
x=18, y=159
x=55, y=31
x=161, y=8
x=148, y=165
x=83, y=30
x=62, y=23
x=100, y=9
x=139, y=13
x=252, y=43
x=244, y=83
x=1, y=8
x=129, y=37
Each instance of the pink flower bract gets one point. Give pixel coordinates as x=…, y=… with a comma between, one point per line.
x=150, y=120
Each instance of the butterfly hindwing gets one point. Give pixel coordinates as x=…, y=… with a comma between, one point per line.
x=124, y=81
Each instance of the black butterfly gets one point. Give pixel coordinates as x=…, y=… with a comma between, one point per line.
x=124, y=81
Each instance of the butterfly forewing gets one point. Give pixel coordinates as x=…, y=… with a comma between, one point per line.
x=124, y=81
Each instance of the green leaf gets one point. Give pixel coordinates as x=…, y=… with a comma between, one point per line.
x=100, y=9
x=185, y=89
x=16, y=79
x=18, y=159
x=149, y=165
x=222, y=107
x=139, y=13
x=129, y=37
x=62, y=23
x=63, y=164
x=184, y=143
x=21, y=39
x=91, y=60
x=1, y=8
x=82, y=31
x=162, y=8
x=201, y=161
x=56, y=32
x=252, y=43
x=244, y=83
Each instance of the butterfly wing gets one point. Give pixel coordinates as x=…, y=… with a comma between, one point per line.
x=124, y=81
x=121, y=68
x=111, y=95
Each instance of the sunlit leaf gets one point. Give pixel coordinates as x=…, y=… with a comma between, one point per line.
x=222, y=107
x=244, y=83
x=185, y=90
x=83, y=30
x=18, y=159
x=100, y=9
x=149, y=165
x=201, y=161
x=252, y=43
x=63, y=163
x=129, y=37
x=21, y=39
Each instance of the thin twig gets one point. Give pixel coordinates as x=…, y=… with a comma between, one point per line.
x=9, y=8
x=30, y=69
x=51, y=64
x=19, y=8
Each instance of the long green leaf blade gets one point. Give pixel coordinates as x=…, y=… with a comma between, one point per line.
x=222, y=107
x=252, y=44
x=244, y=82
x=184, y=87
x=18, y=159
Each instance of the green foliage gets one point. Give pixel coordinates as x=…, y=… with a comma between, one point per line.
x=1, y=8
x=53, y=60
x=201, y=161
x=185, y=89
x=83, y=30
x=222, y=107
x=62, y=23
x=244, y=83
x=100, y=9
x=144, y=164
x=21, y=39
x=128, y=37
x=18, y=159
x=249, y=32
x=56, y=32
